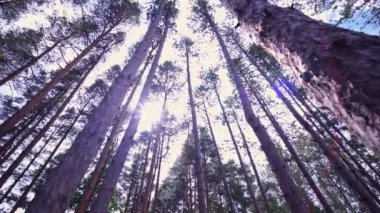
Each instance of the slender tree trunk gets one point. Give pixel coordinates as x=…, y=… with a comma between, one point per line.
x=245, y=145
x=220, y=166
x=59, y=188
x=246, y=177
x=280, y=169
x=338, y=164
x=106, y=189
x=20, y=176
x=36, y=99
x=290, y=148
x=149, y=180
x=31, y=62
x=22, y=198
x=197, y=149
x=4, y=177
x=156, y=190
x=339, y=67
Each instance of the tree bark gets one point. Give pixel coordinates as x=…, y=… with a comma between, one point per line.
x=280, y=169
x=110, y=180
x=59, y=188
x=202, y=206
x=339, y=67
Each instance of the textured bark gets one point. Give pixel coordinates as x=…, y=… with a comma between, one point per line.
x=339, y=67
x=221, y=167
x=241, y=162
x=31, y=62
x=258, y=179
x=202, y=206
x=59, y=188
x=36, y=99
x=279, y=167
x=113, y=172
x=291, y=149
x=337, y=163
x=4, y=177
x=22, y=198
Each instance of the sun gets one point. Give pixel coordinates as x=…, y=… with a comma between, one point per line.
x=150, y=114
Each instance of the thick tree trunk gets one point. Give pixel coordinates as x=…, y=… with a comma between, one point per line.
x=337, y=163
x=290, y=148
x=36, y=99
x=245, y=145
x=31, y=62
x=22, y=198
x=113, y=172
x=241, y=162
x=220, y=166
x=280, y=169
x=59, y=189
x=339, y=67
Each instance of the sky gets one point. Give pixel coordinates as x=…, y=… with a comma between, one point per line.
x=209, y=56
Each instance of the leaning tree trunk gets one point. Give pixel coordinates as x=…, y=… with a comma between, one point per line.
x=258, y=179
x=339, y=67
x=59, y=188
x=117, y=164
x=36, y=99
x=21, y=199
x=31, y=62
x=197, y=149
x=251, y=192
x=289, y=188
x=352, y=181
x=220, y=165
x=290, y=148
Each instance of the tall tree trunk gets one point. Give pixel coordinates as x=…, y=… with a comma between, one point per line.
x=105, y=154
x=117, y=164
x=22, y=198
x=59, y=188
x=31, y=62
x=338, y=164
x=156, y=190
x=220, y=166
x=245, y=145
x=290, y=148
x=36, y=99
x=280, y=169
x=149, y=179
x=21, y=175
x=246, y=177
x=4, y=177
x=202, y=206
x=339, y=67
